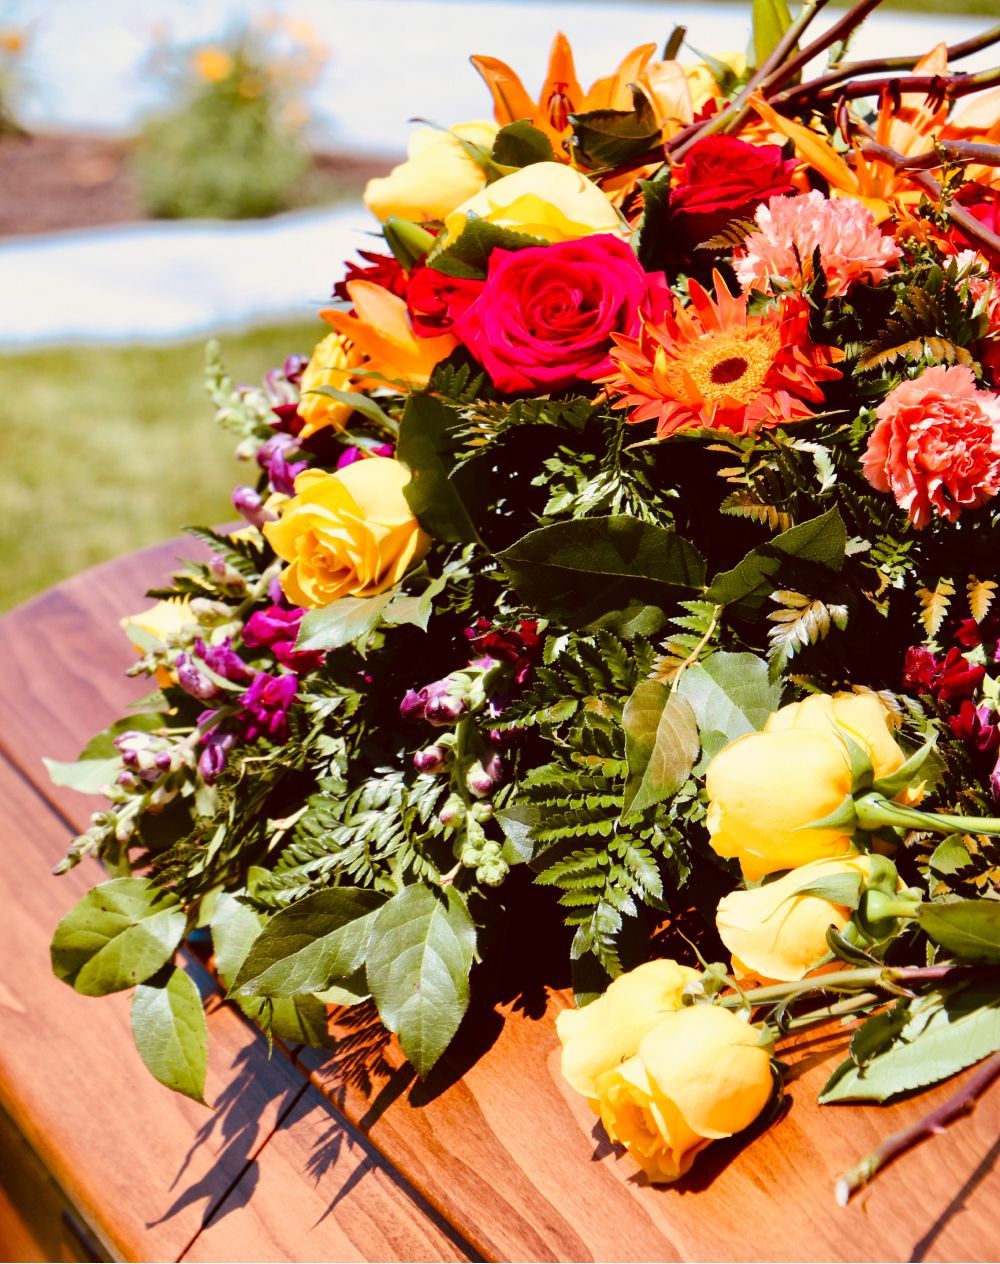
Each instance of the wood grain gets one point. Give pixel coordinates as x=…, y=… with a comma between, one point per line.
x=495, y=1141
x=144, y=1166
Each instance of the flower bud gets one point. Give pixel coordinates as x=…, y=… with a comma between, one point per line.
x=453, y=812
x=432, y=759
x=193, y=681
x=250, y=505
x=127, y=780
x=445, y=709
x=163, y=760
x=413, y=704
x=227, y=575
x=485, y=775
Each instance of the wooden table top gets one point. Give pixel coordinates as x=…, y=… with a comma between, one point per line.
x=346, y=1156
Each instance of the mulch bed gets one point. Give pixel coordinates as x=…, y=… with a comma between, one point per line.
x=54, y=182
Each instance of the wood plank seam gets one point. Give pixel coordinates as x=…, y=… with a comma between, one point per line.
x=251, y=1160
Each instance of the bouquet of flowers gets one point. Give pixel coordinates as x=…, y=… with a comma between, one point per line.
x=633, y=534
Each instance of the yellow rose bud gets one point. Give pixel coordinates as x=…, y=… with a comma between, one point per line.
x=701, y=1074
x=607, y=1031
x=437, y=176
x=351, y=533
x=776, y=933
x=328, y=365
x=765, y=788
x=547, y=200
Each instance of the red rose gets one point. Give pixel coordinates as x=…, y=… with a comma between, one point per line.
x=725, y=179
x=983, y=204
x=936, y=446
x=379, y=269
x=436, y=300
x=546, y=313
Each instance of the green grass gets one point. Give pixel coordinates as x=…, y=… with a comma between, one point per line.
x=107, y=450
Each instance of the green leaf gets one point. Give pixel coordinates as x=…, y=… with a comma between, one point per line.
x=294, y=1019
x=418, y=969
x=520, y=145
x=345, y=620
x=310, y=945
x=608, y=138
x=950, y=855
x=935, y=1037
x=661, y=745
x=168, y=1023
x=438, y=496
x=821, y=541
x=408, y=242
x=416, y=610
x=771, y=20
x=360, y=403
x=119, y=934
x=651, y=236
x=602, y=572
x=88, y=776
x=969, y=929
x=731, y=695
x=468, y=255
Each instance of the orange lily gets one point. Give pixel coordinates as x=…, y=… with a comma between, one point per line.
x=674, y=92
x=382, y=331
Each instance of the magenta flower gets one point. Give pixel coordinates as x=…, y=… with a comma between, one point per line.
x=266, y=705
x=276, y=629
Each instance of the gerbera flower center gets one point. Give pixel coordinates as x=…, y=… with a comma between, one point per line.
x=732, y=369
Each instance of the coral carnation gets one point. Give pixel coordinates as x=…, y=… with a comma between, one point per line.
x=715, y=365
x=936, y=446
x=791, y=229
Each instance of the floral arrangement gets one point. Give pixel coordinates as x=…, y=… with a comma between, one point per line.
x=232, y=141
x=631, y=534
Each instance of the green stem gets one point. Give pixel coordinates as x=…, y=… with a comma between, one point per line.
x=848, y=1006
x=864, y=978
x=874, y=810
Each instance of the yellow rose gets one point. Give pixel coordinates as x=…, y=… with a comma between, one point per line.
x=765, y=787
x=547, y=200
x=328, y=365
x=774, y=932
x=607, y=1031
x=701, y=1074
x=437, y=175
x=346, y=534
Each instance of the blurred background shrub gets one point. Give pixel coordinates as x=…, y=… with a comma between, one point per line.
x=233, y=143
x=13, y=43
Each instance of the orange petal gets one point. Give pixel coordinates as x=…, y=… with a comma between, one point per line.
x=510, y=100
x=611, y=92
x=816, y=151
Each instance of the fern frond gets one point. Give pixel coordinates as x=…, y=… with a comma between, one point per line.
x=934, y=605
x=980, y=593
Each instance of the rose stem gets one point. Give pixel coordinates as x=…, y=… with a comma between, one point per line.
x=877, y=976
x=961, y=1103
x=837, y=1010
x=875, y=65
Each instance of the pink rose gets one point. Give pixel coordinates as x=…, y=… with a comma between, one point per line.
x=546, y=314
x=936, y=446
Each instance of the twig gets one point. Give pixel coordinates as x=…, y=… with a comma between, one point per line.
x=946, y=86
x=923, y=179
x=957, y=151
x=932, y=1123
x=852, y=18
x=737, y=108
x=876, y=65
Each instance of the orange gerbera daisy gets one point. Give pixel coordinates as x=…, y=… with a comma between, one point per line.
x=714, y=365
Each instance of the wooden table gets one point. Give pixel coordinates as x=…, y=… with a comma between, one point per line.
x=349, y=1158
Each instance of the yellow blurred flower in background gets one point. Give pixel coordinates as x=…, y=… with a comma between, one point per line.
x=211, y=63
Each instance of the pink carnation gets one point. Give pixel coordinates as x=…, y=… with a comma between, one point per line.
x=936, y=445
x=851, y=246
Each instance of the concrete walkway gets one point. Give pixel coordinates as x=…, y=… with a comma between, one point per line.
x=391, y=60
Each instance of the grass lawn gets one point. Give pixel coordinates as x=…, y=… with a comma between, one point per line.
x=107, y=450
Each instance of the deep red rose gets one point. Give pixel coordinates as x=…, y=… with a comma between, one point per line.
x=976, y=726
x=379, y=270
x=920, y=670
x=956, y=678
x=436, y=300
x=725, y=179
x=546, y=314
x=984, y=205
